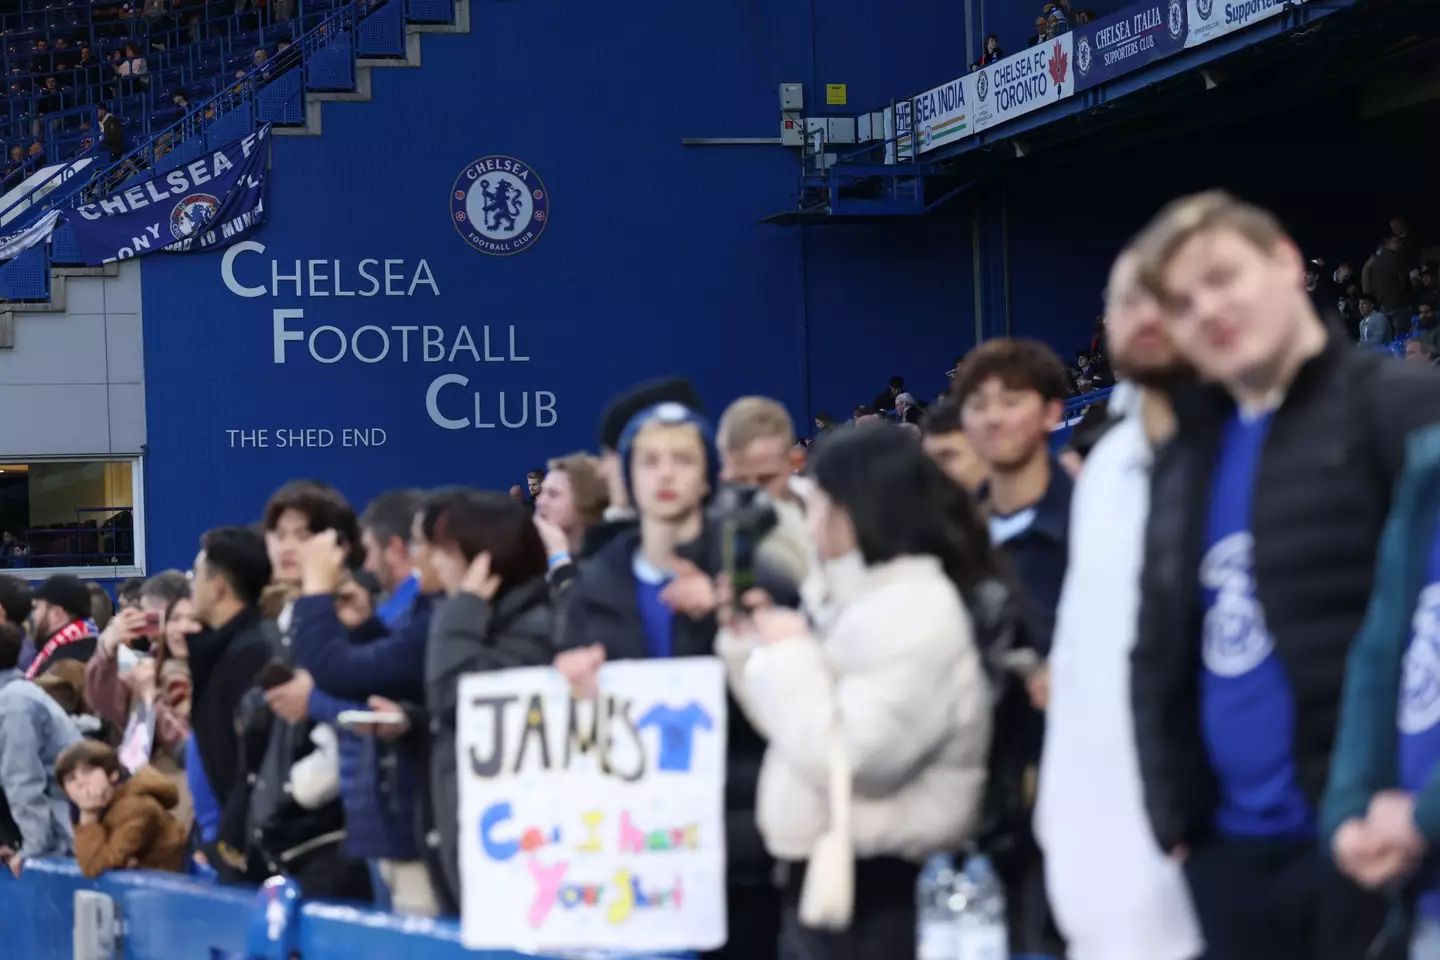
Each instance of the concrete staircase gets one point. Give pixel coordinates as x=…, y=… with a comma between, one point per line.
x=414, y=32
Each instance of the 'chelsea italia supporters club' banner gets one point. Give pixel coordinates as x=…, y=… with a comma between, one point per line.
x=211, y=202
x=596, y=824
x=1127, y=40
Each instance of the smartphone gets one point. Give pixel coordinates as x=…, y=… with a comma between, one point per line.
x=151, y=626
x=349, y=719
x=1022, y=662
x=274, y=674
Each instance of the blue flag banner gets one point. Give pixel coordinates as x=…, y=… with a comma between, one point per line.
x=208, y=203
x=1127, y=40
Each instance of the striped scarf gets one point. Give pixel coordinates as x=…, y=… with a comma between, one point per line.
x=72, y=632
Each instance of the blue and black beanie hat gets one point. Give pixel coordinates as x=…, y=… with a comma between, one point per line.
x=674, y=414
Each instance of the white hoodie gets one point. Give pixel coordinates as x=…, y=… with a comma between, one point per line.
x=1115, y=895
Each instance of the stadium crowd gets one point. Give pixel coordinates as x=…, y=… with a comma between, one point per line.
x=1151, y=693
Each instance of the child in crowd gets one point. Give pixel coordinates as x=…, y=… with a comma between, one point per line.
x=122, y=820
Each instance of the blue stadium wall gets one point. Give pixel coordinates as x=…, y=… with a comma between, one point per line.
x=652, y=261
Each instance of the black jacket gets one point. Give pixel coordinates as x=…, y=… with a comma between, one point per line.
x=223, y=664
x=601, y=607
x=469, y=635
x=1321, y=494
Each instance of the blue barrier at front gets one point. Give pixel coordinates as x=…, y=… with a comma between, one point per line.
x=169, y=917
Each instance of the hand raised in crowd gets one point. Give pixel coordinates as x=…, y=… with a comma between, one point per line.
x=774, y=624
x=122, y=629
x=479, y=580
x=691, y=592
x=383, y=731
x=322, y=564
x=353, y=604
x=761, y=619
x=581, y=668
x=142, y=680
x=552, y=536
x=291, y=700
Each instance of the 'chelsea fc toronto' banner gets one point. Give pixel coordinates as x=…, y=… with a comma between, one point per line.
x=1127, y=40
x=593, y=824
x=1021, y=83
x=208, y=203
x=1210, y=19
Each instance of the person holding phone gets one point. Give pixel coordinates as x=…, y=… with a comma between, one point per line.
x=362, y=666
x=154, y=715
x=647, y=594
x=881, y=687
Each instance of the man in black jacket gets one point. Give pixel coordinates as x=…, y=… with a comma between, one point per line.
x=231, y=571
x=1266, y=513
x=635, y=599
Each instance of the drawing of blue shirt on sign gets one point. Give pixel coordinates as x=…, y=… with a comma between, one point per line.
x=677, y=732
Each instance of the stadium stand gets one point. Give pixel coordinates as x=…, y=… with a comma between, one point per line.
x=209, y=78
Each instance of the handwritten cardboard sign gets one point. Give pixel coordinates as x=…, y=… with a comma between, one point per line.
x=594, y=824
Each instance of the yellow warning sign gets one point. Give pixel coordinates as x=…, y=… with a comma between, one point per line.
x=835, y=94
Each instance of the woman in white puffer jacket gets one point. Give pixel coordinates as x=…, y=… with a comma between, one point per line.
x=875, y=707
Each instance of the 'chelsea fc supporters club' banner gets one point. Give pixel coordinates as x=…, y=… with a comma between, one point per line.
x=1021, y=83
x=596, y=824
x=1127, y=40
x=211, y=202
x=1215, y=18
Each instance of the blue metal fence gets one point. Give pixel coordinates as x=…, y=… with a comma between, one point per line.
x=169, y=917
x=27, y=277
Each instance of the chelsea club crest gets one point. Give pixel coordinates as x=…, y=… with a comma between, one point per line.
x=190, y=215
x=499, y=206
x=1204, y=8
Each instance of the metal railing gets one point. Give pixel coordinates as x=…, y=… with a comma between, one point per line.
x=322, y=58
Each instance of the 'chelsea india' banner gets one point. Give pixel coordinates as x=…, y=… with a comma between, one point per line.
x=208, y=203
x=593, y=825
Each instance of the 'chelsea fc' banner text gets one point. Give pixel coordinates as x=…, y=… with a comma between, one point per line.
x=1022, y=82
x=208, y=203
x=593, y=824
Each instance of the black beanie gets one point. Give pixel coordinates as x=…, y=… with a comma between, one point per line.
x=623, y=408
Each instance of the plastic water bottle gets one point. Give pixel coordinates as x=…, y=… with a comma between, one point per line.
x=979, y=905
x=937, y=920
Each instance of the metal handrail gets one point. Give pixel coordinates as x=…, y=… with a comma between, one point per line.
x=76, y=190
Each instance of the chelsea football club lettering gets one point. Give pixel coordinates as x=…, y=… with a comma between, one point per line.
x=446, y=402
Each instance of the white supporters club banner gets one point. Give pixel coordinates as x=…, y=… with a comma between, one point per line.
x=593, y=825
x=942, y=114
x=1022, y=83
x=1210, y=19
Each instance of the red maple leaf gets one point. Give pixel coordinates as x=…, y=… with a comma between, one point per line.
x=1059, y=64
